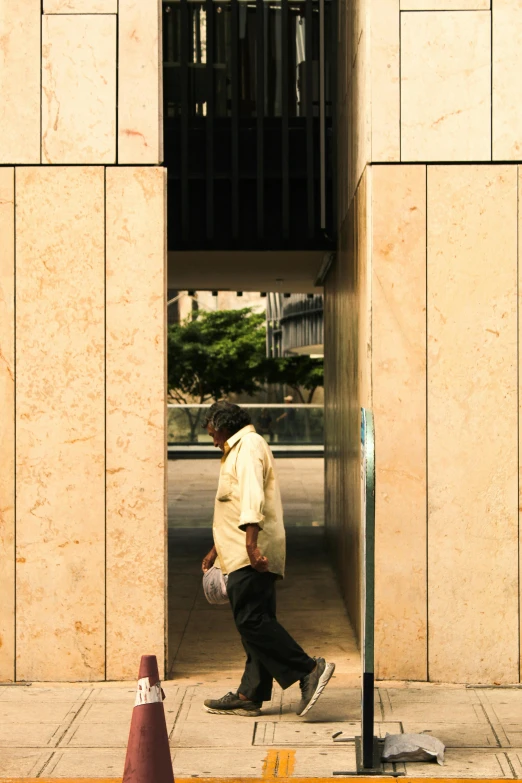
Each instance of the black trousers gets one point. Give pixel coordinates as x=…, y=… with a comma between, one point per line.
x=272, y=654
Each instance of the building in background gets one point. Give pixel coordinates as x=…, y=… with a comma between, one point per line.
x=181, y=304
x=294, y=325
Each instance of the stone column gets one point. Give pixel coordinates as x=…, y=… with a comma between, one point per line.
x=82, y=339
x=425, y=298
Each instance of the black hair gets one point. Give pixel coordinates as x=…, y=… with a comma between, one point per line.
x=227, y=416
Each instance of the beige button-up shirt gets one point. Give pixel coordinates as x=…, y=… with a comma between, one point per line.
x=248, y=493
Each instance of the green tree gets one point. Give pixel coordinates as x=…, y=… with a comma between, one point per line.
x=213, y=355
x=297, y=372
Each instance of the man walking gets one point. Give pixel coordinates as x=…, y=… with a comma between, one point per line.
x=249, y=539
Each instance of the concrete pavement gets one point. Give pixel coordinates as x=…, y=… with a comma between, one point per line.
x=80, y=730
x=68, y=731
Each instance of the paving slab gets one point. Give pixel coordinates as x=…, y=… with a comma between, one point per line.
x=437, y=712
x=515, y=761
x=191, y=762
x=125, y=693
x=231, y=732
x=429, y=694
x=465, y=763
x=40, y=693
x=456, y=735
x=91, y=762
x=30, y=735
x=512, y=735
x=22, y=762
x=113, y=712
x=98, y=735
x=54, y=712
x=321, y=763
x=505, y=704
x=311, y=734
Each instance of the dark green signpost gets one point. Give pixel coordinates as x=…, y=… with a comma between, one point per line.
x=367, y=746
x=368, y=742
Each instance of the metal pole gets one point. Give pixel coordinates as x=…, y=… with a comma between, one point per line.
x=322, y=119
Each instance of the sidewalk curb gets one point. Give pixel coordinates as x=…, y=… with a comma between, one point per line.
x=361, y=779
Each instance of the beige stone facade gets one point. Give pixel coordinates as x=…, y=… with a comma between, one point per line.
x=426, y=287
x=82, y=340
x=422, y=326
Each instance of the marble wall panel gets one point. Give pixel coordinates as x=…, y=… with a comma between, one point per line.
x=472, y=424
x=136, y=408
x=445, y=5
x=140, y=103
x=7, y=430
x=79, y=88
x=20, y=81
x=385, y=81
x=399, y=405
x=80, y=6
x=507, y=65
x=347, y=388
x=446, y=86
x=60, y=439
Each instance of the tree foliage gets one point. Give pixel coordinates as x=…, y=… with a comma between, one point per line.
x=297, y=372
x=223, y=352
x=216, y=354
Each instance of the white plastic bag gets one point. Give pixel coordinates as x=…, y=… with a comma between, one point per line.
x=413, y=747
x=215, y=586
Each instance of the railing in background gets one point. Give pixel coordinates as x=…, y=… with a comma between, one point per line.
x=284, y=427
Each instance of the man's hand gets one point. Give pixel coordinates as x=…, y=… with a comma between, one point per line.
x=257, y=560
x=209, y=560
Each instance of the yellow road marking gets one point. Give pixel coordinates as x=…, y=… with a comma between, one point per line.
x=270, y=765
x=286, y=763
x=282, y=779
x=278, y=764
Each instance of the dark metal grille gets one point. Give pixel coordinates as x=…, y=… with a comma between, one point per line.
x=248, y=113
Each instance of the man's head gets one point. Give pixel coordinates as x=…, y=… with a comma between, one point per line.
x=289, y=398
x=223, y=420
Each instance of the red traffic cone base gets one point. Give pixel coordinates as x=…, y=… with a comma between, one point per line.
x=148, y=753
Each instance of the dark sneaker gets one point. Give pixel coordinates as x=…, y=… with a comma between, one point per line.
x=231, y=704
x=314, y=684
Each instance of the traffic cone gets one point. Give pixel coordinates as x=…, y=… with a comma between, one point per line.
x=148, y=753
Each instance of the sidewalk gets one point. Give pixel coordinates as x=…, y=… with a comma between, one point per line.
x=81, y=731
x=72, y=731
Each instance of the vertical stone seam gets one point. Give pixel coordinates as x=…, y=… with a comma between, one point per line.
x=426, y=444
x=41, y=79
x=400, y=83
x=117, y=97
x=165, y=433
x=14, y=413
x=491, y=80
x=368, y=208
x=161, y=107
x=518, y=412
x=105, y=408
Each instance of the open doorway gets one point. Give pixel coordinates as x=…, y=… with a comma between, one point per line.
x=250, y=149
x=203, y=643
